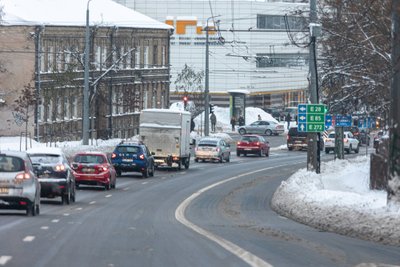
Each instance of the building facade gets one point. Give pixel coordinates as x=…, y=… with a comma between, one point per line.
x=250, y=47
x=129, y=71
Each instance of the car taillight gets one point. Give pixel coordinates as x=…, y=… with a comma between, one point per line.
x=345, y=140
x=21, y=177
x=59, y=168
x=113, y=156
x=258, y=143
x=102, y=168
x=217, y=149
x=141, y=157
x=238, y=143
x=288, y=137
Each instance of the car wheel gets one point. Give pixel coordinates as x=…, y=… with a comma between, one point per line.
x=267, y=153
x=37, y=209
x=107, y=186
x=118, y=173
x=237, y=153
x=187, y=162
x=268, y=132
x=73, y=195
x=357, y=149
x=326, y=151
x=220, y=159
x=152, y=171
x=65, y=198
x=196, y=160
x=260, y=154
x=31, y=209
x=228, y=159
x=242, y=131
x=290, y=148
x=348, y=150
x=145, y=173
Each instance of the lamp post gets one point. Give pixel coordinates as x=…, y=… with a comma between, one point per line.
x=206, y=87
x=85, y=115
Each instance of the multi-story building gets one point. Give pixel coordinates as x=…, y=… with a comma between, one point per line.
x=43, y=51
x=250, y=46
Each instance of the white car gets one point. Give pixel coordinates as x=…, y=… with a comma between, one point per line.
x=350, y=143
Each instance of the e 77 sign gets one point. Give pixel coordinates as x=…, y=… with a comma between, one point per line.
x=311, y=117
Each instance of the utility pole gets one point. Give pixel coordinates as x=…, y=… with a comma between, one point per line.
x=206, y=87
x=394, y=141
x=85, y=115
x=313, y=138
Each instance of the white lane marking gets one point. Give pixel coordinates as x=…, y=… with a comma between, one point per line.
x=91, y=203
x=126, y=188
x=78, y=208
x=243, y=254
x=66, y=214
x=108, y=196
x=28, y=238
x=5, y=259
x=55, y=221
x=44, y=227
x=162, y=178
x=145, y=182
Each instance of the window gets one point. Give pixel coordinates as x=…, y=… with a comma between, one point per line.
x=67, y=113
x=74, y=107
x=50, y=59
x=137, y=57
x=146, y=57
x=282, y=60
x=163, y=56
x=275, y=22
x=155, y=56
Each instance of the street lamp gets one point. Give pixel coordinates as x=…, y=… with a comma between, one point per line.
x=206, y=89
x=85, y=115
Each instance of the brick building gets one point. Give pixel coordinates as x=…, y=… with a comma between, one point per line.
x=129, y=68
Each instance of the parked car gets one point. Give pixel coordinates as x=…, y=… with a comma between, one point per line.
x=19, y=186
x=212, y=148
x=296, y=139
x=350, y=143
x=252, y=144
x=133, y=157
x=93, y=168
x=54, y=173
x=262, y=127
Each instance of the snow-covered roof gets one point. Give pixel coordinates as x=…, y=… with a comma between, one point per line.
x=73, y=13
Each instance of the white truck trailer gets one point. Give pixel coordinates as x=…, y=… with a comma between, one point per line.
x=167, y=135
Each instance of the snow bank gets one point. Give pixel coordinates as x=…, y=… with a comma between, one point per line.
x=345, y=205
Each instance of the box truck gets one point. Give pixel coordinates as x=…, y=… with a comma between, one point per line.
x=167, y=135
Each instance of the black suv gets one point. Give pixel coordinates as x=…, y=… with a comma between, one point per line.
x=133, y=157
x=296, y=139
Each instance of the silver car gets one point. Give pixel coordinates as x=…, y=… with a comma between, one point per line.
x=212, y=148
x=262, y=127
x=19, y=186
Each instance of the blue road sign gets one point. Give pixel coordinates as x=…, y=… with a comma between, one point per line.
x=328, y=121
x=343, y=120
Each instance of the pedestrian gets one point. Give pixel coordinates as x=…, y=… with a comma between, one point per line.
x=213, y=119
x=241, y=121
x=192, y=125
x=233, y=122
x=259, y=117
x=288, y=120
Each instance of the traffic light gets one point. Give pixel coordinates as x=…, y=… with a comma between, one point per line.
x=211, y=108
x=185, y=101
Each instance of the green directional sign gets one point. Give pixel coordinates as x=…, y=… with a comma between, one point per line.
x=311, y=118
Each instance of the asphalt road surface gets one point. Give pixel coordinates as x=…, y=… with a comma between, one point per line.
x=213, y=214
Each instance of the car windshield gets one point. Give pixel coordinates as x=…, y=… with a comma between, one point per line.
x=44, y=158
x=89, y=159
x=128, y=149
x=331, y=135
x=11, y=164
x=208, y=143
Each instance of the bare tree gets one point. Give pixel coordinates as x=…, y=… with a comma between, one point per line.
x=355, y=60
x=190, y=83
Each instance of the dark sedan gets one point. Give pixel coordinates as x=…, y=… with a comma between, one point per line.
x=54, y=173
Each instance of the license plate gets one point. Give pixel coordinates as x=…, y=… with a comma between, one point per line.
x=3, y=190
x=127, y=160
x=247, y=149
x=89, y=170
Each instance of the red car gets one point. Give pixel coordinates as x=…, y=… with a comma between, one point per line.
x=94, y=168
x=252, y=144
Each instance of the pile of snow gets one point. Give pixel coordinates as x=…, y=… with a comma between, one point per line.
x=339, y=200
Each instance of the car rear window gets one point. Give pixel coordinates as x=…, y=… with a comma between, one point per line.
x=208, y=143
x=250, y=139
x=11, y=164
x=331, y=135
x=44, y=158
x=128, y=149
x=89, y=159
x=294, y=132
